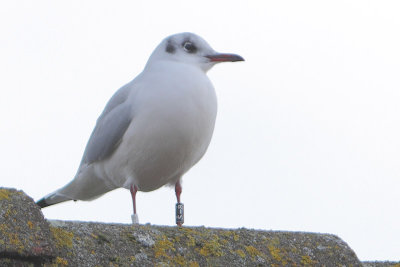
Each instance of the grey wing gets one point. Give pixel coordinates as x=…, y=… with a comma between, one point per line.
x=109, y=129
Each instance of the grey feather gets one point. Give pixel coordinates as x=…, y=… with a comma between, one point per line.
x=118, y=98
x=110, y=128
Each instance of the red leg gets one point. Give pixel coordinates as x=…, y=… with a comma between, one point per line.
x=133, y=194
x=178, y=191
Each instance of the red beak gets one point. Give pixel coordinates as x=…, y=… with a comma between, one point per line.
x=224, y=57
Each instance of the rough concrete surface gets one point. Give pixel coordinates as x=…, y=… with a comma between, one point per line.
x=27, y=239
x=381, y=264
x=114, y=244
x=24, y=232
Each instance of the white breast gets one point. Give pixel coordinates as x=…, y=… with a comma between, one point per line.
x=174, y=109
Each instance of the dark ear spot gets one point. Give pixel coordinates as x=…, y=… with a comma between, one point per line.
x=170, y=48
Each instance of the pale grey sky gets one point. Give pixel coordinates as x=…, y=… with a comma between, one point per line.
x=308, y=128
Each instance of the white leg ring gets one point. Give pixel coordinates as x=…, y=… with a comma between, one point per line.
x=135, y=219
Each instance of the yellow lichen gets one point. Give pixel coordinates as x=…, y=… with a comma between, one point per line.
x=30, y=224
x=15, y=241
x=224, y=242
x=3, y=228
x=187, y=230
x=235, y=236
x=230, y=234
x=194, y=264
x=61, y=261
x=94, y=236
x=275, y=252
x=240, y=253
x=190, y=241
x=162, y=246
x=252, y=251
x=307, y=261
x=184, y=229
x=62, y=237
x=212, y=248
x=180, y=260
x=4, y=194
x=188, y=233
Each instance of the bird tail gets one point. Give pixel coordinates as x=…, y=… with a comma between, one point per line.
x=85, y=186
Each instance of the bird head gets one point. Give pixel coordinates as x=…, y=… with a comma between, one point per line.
x=189, y=48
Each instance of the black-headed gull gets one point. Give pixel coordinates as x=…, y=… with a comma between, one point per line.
x=153, y=129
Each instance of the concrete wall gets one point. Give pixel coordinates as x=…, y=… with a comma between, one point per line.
x=27, y=239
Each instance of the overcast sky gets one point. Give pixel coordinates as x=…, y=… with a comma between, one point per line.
x=308, y=129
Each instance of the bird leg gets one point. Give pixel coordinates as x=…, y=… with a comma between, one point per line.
x=179, y=206
x=135, y=217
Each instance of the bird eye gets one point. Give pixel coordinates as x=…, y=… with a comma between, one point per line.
x=189, y=47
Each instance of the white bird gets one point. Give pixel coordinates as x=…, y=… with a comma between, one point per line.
x=153, y=129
